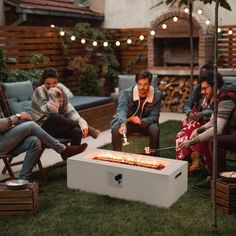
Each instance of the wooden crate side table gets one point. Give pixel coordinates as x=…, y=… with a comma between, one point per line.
x=24, y=202
x=226, y=196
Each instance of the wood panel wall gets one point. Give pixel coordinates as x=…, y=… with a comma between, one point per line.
x=227, y=47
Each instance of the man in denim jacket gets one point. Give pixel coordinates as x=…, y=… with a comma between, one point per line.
x=138, y=112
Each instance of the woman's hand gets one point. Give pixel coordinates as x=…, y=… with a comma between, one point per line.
x=85, y=132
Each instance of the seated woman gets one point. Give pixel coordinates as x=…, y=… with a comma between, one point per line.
x=53, y=112
x=198, y=112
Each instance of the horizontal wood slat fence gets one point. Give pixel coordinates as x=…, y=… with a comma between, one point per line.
x=227, y=47
x=21, y=42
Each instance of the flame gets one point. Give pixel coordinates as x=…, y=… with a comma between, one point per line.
x=126, y=158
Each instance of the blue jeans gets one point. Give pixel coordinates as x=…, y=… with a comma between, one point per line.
x=152, y=131
x=27, y=137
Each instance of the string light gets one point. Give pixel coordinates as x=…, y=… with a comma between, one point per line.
x=105, y=44
x=152, y=32
x=83, y=41
x=52, y=26
x=199, y=11
x=186, y=10
x=141, y=37
x=208, y=22
x=230, y=31
x=72, y=38
x=164, y=26
x=95, y=43
x=175, y=18
x=219, y=30
x=62, y=33
x=129, y=41
x=117, y=43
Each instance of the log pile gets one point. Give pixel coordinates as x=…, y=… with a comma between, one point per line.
x=175, y=92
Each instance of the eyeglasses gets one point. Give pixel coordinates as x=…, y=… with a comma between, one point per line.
x=204, y=88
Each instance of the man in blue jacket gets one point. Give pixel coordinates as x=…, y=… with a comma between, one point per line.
x=138, y=112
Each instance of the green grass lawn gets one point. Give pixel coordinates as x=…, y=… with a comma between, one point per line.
x=72, y=212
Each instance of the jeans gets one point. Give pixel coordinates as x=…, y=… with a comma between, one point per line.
x=152, y=131
x=27, y=137
x=225, y=142
x=59, y=126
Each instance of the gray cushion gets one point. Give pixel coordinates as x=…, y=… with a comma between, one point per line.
x=19, y=95
x=83, y=102
x=126, y=81
x=229, y=79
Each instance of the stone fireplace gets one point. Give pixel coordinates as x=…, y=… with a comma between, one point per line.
x=169, y=48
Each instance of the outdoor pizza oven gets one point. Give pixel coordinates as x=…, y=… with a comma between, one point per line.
x=153, y=180
x=169, y=48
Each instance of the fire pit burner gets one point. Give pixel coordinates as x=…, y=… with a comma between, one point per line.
x=125, y=159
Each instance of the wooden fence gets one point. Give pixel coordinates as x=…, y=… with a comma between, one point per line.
x=227, y=47
x=20, y=42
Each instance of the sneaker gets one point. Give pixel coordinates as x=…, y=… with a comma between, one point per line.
x=70, y=151
x=94, y=132
x=206, y=183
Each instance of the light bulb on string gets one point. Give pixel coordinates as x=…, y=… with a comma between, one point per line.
x=129, y=41
x=83, y=41
x=141, y=37
x=95, y=43
x=230, y=31
x=175, y=18
x=117, y=43
x=62, y=33
x=219, y=30
x=52, y=26
x=152, y=32
x=186, y=10
x=208, y=22
x=164, y=26
x=199, y=11
x=72, y=38
x=105, y=44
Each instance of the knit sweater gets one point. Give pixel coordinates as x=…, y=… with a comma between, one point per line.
x=226, y=105
x=53, y=100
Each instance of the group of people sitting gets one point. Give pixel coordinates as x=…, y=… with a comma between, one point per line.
x=138, y=112
x=52, y=118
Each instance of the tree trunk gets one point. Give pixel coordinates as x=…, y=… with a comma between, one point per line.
x=191, y=42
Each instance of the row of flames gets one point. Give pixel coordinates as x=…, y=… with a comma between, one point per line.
x=137, y=160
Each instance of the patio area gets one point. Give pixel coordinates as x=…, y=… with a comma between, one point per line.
x=50, y=157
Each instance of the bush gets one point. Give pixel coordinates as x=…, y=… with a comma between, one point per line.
x=88, y=83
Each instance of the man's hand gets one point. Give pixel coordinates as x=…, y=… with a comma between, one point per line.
x=185, y=145
x=85, y=132
x=195, y=116
x=122, y=129
x=25, y=116
x=135, y=120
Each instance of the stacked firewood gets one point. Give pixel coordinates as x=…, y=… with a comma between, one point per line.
x=175, y=92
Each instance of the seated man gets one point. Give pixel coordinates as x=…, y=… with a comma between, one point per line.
x=16, y=138
x=138, y=112
x=226, y=123
x=54, y=113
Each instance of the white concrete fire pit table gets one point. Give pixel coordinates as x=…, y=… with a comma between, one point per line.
x=149, y=183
